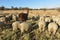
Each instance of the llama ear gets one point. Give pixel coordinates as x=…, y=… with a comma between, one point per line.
x=27, y=11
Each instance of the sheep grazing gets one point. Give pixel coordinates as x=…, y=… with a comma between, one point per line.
x=42, y=18
x=41, y=25
x=55, y=18
x=52, y=27
x=24, y=26
x=15, y=25
x=14, y=17
x=48, y=19
x=58, y=22
x=2, y=19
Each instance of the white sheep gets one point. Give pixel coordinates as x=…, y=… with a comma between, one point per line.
x=55, y=18
x=2, y=19
x=48, y=19
x=15, y=25
x=52, y=27
x=14, y=17
x=24, y=26
x=42, y=18
x=41, y=25
x=8, y=15
x=58, y=22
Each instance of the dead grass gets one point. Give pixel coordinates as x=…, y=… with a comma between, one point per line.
x=8, y=34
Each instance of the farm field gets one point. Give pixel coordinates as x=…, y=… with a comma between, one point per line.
x=33, y=12
x=29, y=19
x=35, y=34
x=7, y=33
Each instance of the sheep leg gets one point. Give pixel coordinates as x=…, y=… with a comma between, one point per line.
x=54, y=32
x=49, y=31
x=39, y=29
x=43, y=29
x=14, y=28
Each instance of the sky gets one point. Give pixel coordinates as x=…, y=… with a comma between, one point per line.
x=30, y=3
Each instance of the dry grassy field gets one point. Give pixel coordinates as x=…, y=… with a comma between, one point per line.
x=33, y=12
x=9, y=34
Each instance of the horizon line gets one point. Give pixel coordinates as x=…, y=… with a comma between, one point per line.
x=31, y=7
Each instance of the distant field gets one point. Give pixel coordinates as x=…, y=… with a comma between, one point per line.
x=33, y=12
